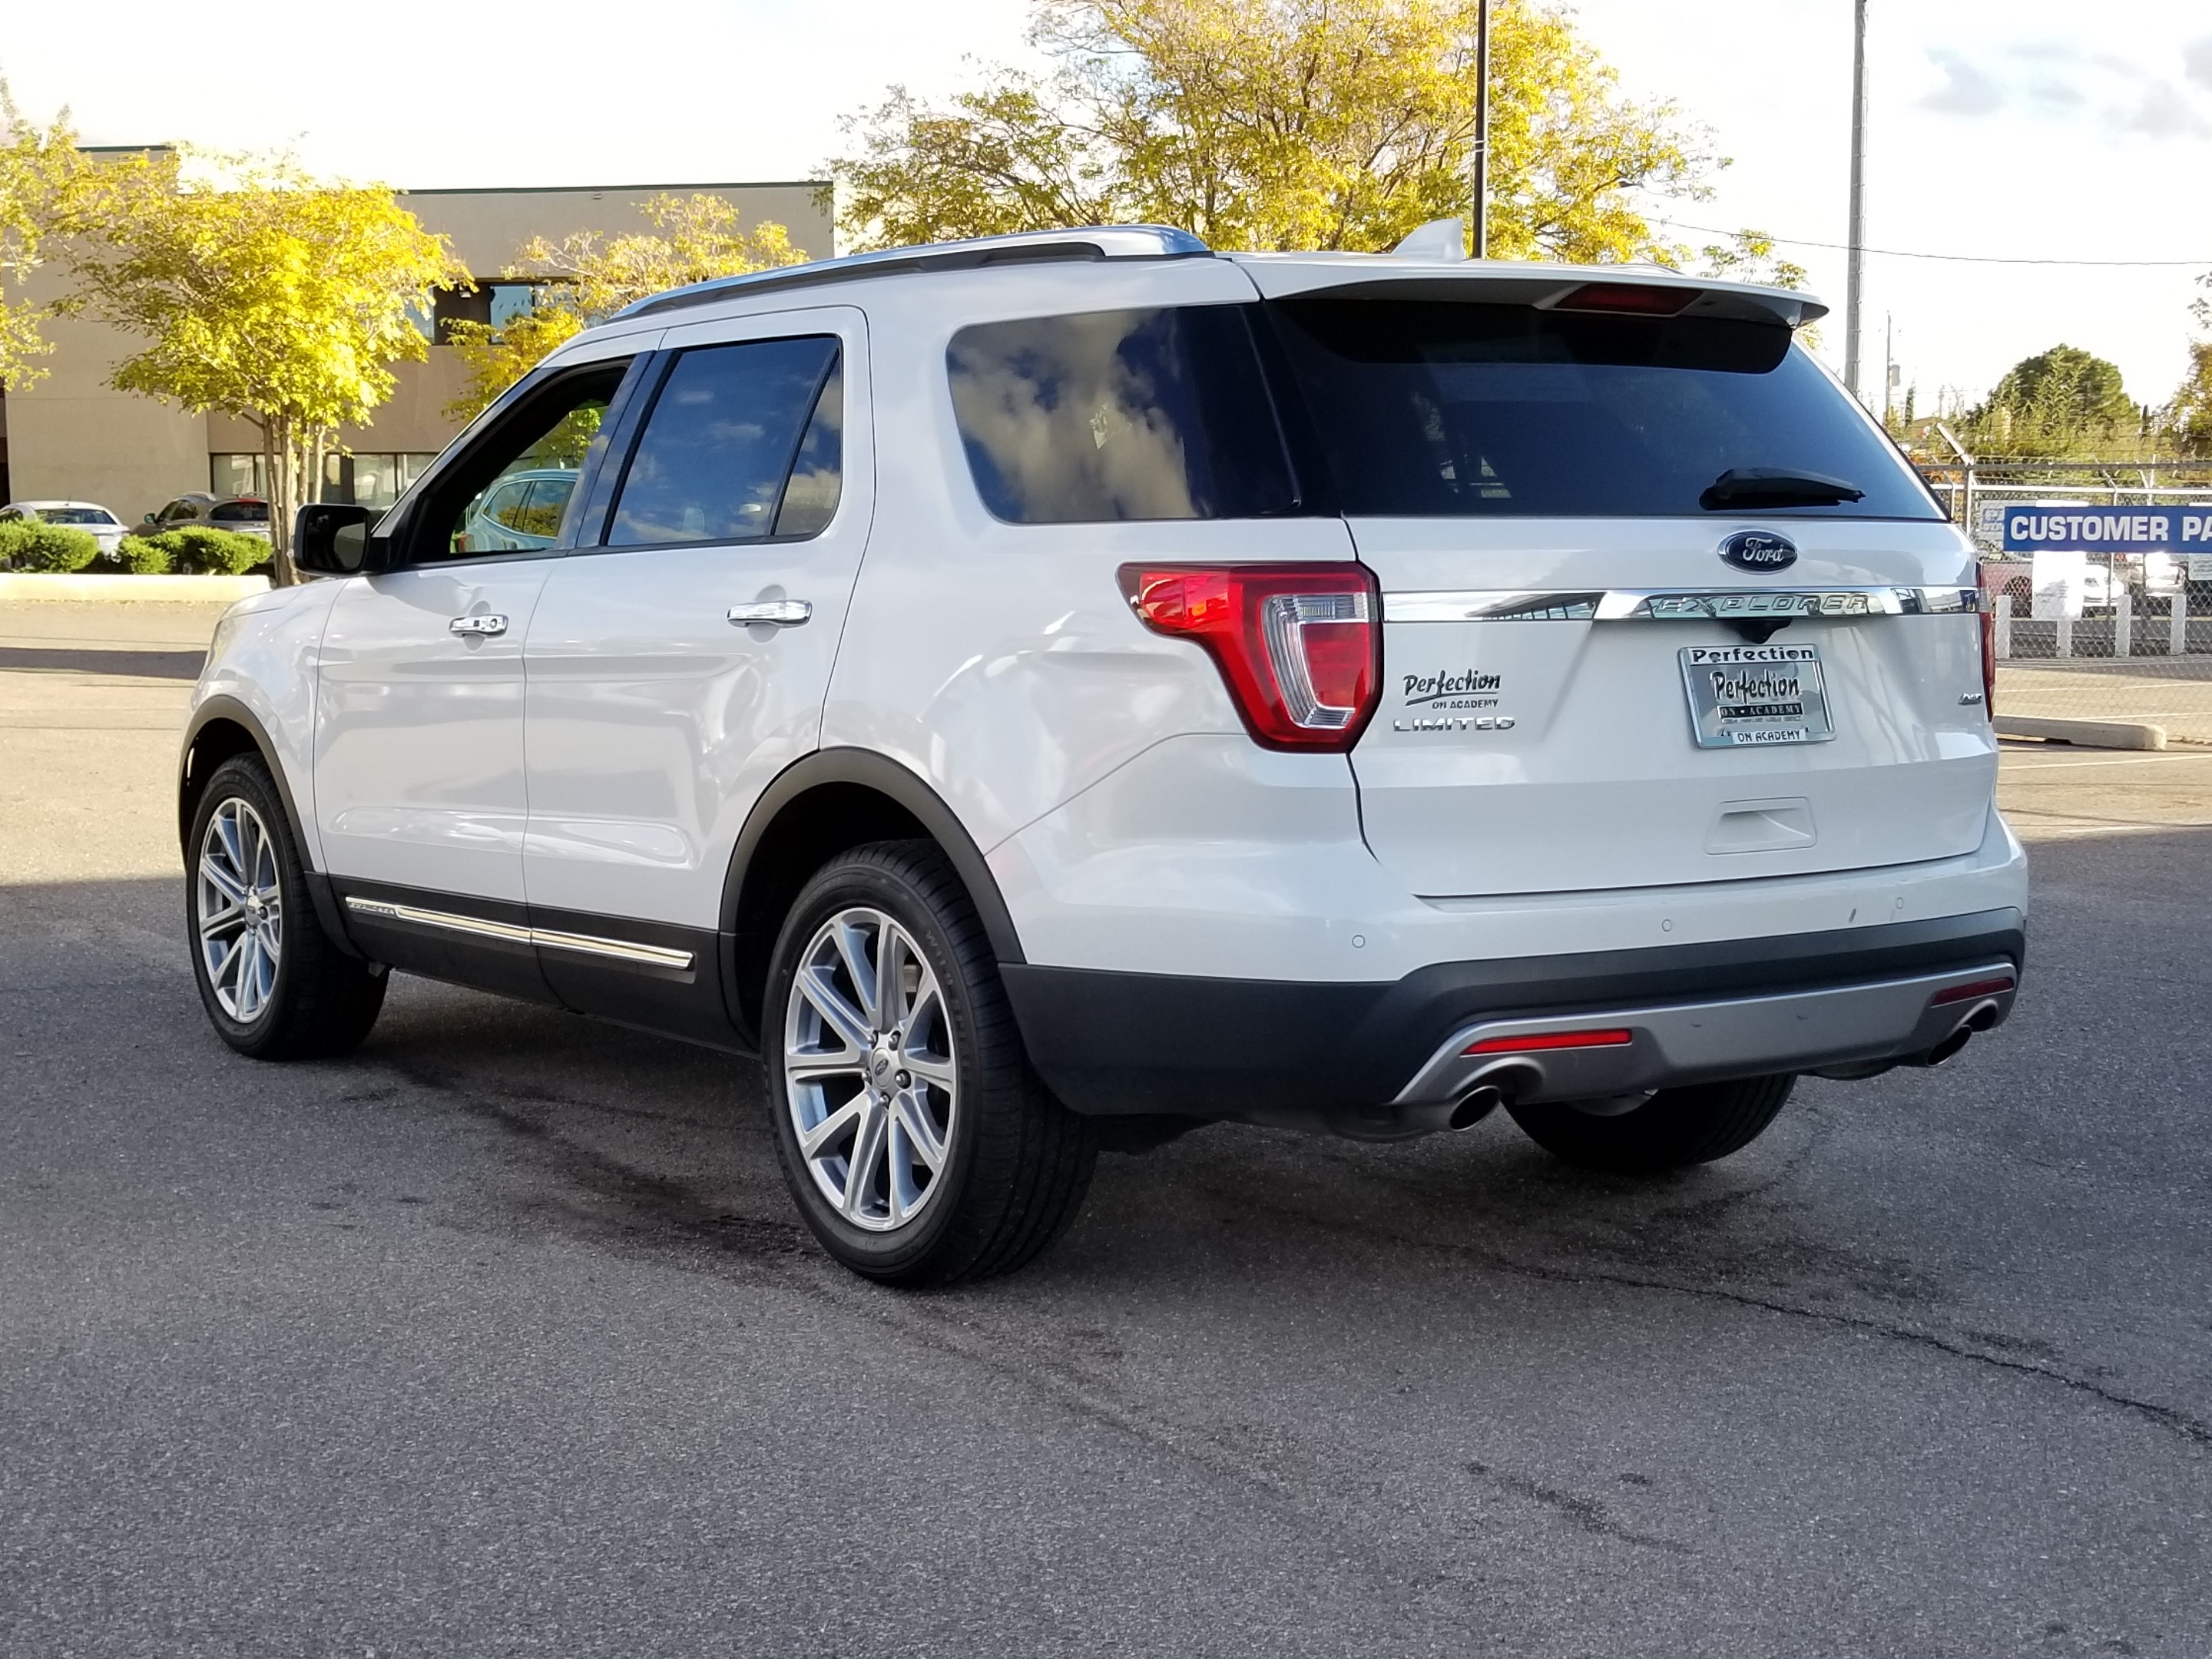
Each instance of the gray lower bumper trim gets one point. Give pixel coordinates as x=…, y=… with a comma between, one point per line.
x=1676, y=1043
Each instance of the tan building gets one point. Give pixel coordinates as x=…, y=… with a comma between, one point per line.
x=73, y=437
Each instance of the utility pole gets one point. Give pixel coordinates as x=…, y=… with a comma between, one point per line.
x=1855, y=270
x=1481, y=181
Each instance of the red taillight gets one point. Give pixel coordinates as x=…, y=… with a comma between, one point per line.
x=1990, y=658
x=1299, y=645
x=1544, y=1040
x=1980, y=988
x=1634, y=299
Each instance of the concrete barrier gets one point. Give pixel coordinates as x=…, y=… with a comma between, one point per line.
x=164, y=590
x=2090, y=734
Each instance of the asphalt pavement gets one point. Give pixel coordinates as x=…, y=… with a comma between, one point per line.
x=501, y=1338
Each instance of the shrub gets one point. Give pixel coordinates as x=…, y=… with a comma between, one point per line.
x=52, y=548
x=203, y=551
x=145, y=556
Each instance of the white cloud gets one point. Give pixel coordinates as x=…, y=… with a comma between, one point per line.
x=1968, y=90
x=2164, y=111
x=2196, y=61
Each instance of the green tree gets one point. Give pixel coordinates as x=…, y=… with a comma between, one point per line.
x=2060, y=402
x=586, y=278
x=2189, y=416
x=1280, y=125
x=264, y=294
x=42, y=175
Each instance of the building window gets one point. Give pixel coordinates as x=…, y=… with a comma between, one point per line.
x=367, y=479
x=494, y=304
x=236, y=475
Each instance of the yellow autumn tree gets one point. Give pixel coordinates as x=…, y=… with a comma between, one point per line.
x=1280, y=125
x=42, y=175
x=263, y=293
x=586, y=278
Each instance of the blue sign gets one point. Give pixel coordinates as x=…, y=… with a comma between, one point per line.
x=2066, y=528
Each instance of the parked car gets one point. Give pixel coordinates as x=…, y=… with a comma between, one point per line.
x=103, y=526
x=244, y=515
x=2015, y=579
x=519, y=512
x=1298, y=689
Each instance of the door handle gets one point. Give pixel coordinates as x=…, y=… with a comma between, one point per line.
x=484, y=627
x=776, y=613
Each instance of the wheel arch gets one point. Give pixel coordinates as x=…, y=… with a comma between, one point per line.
x=221, y=728
x=816, y=808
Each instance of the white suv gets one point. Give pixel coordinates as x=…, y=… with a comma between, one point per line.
x=1050, y=692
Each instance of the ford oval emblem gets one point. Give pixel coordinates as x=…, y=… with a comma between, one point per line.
x=1760, y=551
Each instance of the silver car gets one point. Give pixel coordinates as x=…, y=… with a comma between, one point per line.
x=246, y=515
x=102, y=525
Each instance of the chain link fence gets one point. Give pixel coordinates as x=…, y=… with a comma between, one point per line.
x=2138, y=648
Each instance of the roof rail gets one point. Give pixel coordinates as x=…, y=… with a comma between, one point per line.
x=1023, y=247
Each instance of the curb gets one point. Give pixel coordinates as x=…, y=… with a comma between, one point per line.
x=2090, y=734
x=203, y=589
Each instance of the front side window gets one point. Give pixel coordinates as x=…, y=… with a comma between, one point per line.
x=509, y=491
x=1450, y=409
x=742, y=443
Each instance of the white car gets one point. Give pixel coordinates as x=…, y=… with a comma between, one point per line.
x=102, y=525
x=1056, y=690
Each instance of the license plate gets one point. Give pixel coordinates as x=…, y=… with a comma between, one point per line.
x=1745, y=695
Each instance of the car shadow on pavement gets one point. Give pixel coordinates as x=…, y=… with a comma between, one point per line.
x=1848, y=1212
x=141, y=665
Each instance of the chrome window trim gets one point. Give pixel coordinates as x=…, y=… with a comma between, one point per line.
x=1675, y=603
x=617, y=950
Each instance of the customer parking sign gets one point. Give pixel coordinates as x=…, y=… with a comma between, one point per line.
x=2069, y=527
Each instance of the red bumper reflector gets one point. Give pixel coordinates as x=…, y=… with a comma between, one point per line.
x=1521, y=1045
x=1980, y=988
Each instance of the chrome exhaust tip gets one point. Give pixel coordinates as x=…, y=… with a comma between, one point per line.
x=1476, y=1104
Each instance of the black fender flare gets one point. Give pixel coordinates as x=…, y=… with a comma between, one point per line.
x=229, y=708
x=908, y=789
x=905, y=788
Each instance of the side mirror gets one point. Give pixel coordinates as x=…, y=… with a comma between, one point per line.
x=149, y=519
x=331, y=539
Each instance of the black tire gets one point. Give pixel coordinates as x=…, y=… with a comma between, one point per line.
x=1672, y=1130
x=1016, y=1162
x=321, y=1001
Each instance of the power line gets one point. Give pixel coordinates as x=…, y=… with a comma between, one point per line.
x=1964, y=259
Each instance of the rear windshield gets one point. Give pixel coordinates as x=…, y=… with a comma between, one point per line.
x=74, y=515
x=1448, y=408
x=240, y=512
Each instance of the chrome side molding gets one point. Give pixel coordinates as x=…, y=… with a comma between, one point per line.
x=1675, y=604
x=615, y=950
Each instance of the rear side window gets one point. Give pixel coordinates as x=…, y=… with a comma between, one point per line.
x=1119, y=415
x=724, y=437
x=1445, y=409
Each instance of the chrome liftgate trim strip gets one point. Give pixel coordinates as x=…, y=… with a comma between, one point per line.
x=1676, y=604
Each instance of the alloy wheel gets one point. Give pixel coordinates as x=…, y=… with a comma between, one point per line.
x=239, y=909
x=869, y=1075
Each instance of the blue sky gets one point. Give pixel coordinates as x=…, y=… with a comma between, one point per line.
x=2021, y=128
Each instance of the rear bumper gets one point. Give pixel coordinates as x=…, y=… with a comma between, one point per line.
x=1385, y=1059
